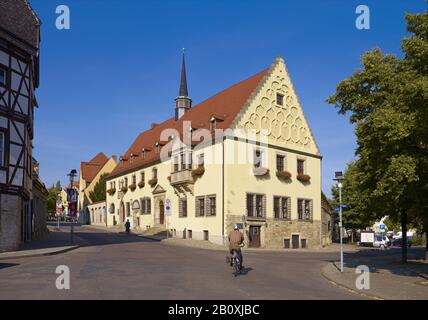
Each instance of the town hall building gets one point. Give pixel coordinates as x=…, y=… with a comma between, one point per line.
x=244, y=156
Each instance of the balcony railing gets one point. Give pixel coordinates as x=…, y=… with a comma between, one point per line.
x=181, y=177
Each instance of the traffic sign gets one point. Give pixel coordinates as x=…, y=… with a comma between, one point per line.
x=168, y=209
x=382, y=227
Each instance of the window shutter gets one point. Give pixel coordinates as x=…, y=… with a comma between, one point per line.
x=289, y=208
x=141, y=205
x=197, y=206
x=149, y=206
x=180, y=207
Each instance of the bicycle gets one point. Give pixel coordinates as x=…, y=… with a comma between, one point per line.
x=234, y=262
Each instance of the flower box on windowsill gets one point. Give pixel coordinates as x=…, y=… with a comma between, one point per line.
x=283, y=175
x=124, y=189
x=111, y=191
x=260, y=171
x=303, y=177
x=141, y=184
x=153, y=182
x=132, y=187
x=199, y=171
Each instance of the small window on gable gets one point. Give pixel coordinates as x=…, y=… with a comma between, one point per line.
x=279, y=99
x=2, y=77
x=213, y=125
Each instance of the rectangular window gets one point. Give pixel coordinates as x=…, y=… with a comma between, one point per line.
x=189, y=161
x=280, y=163
x=175, y=164
x=155, y=173
x=126, y=182
x=256, y=205
x=250, y=205
x=211, y=205
x=259, y=206
x=143, y=154
x=279, y=99
x=281, y=207
x=183, y=161
x=148, y=206
x=201, y=160
x=142, y=176
x=304, y=209
x=200, y=206
x=134, y=179
x=300, y=166
x=143, y=205
x=2, y=148
x=183, y=208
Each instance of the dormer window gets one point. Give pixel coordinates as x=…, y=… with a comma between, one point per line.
x=157, y=148
x=279, y=99
x=213, y=124
x=143, y=154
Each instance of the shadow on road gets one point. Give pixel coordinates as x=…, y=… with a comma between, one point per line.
x=8, y=265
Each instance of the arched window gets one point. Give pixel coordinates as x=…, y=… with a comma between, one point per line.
x=111, y=209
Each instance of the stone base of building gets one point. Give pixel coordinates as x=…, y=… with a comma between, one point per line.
x=10, y=222
x=278, y=234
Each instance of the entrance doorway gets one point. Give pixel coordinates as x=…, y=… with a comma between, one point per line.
x=295, y=241
x=161, y=212
x=254, y=236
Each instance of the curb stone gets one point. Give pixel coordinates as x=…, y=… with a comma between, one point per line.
x=40, y=254
x=367, y=295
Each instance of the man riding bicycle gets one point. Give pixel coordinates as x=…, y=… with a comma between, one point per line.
x=236, y=240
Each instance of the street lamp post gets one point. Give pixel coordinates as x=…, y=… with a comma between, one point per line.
x=339, y=178
x=72, y=175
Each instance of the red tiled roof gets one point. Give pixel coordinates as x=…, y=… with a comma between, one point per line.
x=91, y=168
x=224, y=106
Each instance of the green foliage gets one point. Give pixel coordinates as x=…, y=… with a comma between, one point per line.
x=99, y=192
x=387, y=101
x=53, y=195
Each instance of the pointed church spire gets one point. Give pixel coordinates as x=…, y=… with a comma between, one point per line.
x=183, y=83
x=182, y=102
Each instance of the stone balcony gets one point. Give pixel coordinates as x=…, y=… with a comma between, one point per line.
x=182, y=177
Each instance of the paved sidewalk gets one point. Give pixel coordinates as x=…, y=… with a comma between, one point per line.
x=389, y=278
x=57, y=241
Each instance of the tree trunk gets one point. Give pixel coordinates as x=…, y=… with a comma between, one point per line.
x=404, y=236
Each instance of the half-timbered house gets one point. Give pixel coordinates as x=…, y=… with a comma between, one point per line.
x=19, y=78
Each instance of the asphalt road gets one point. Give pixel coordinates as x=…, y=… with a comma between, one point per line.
x=116, y=266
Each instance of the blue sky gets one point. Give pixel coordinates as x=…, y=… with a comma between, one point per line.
x=117, y=69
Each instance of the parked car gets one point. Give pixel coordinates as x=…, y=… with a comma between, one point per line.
x=381, y=242
x=397, y=242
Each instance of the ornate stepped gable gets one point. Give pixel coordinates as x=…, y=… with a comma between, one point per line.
x=230, y=108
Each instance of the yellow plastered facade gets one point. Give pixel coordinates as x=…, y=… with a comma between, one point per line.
x=264, y=125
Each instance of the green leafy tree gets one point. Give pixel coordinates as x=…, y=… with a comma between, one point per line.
x=355, y=213
x=387, y=101
x=99, y=192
